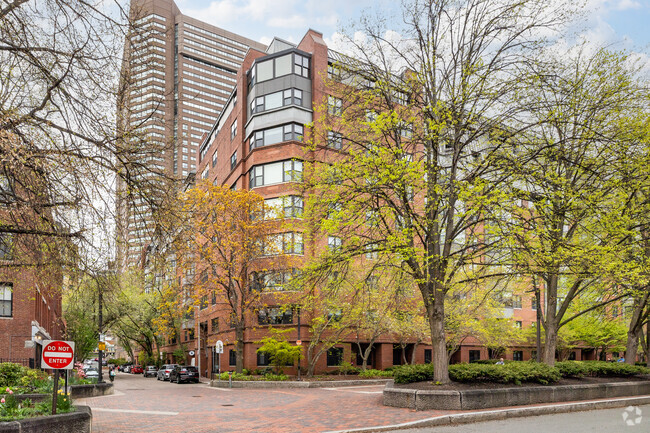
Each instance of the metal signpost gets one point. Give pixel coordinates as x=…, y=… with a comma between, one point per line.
x=57, y=355
x=218, y=349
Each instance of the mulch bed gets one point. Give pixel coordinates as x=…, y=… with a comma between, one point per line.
x=460, y=386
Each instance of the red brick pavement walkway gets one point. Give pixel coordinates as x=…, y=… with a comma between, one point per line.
x=204, y=409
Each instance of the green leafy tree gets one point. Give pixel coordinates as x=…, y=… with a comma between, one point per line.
x=279, y=350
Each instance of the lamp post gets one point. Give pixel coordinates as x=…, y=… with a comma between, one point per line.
x=198, y=350
x=539, y=320
x=100, y=353
x=299, y=342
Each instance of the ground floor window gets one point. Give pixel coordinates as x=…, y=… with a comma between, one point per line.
x=232, y=357
x=572, y=356
x=334, y=356
x=263, y=359
x=474, y=355
x=428, y=356
x=517, y=355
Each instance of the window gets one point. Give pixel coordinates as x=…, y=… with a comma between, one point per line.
x=233, y=130
x=6, y=246
x=214, y=159
x=214, y=324
x=372, y=282
x=204, y=302
x=284, y=243
x=518, y=324
x=276, y=281
x=428, y=356
x=334, y=105
x=333, y=72
x=205, y=173
x=263, y=359
x=516, y=301
x=5, y=190
x=334, y=140
x=517, y=355
x=533, y=304
x=333, y=243
x=278, y=134
x=334, y=356
x=291, y=206
x=233, y=160
x=335, y=315
x=6, y=300
x=276, y=100
x=275, y=316
x=474, y=355
x=301, y=65
x=275, y=172
x=371, y=252
x=232, y=358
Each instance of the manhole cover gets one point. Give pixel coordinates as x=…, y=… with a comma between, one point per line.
x=227, y=405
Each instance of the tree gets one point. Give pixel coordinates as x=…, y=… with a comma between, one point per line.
x=62, y=145
x=416, y=145
x=80, y=316
x=230, y=241
x=279, y=350
x=561, y=166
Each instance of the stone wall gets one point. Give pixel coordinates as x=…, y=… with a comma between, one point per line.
x=79, y=421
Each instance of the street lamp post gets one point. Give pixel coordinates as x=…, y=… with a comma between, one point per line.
x=100, y=353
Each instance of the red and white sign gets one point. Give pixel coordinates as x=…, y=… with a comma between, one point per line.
x=58, y=354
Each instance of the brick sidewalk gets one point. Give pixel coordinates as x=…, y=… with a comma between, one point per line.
x=203, y=409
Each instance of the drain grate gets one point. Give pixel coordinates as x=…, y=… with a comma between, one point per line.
x=135, y=389
x=197, y=396
x=227, y=405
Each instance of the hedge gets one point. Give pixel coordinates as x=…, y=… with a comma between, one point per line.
x=599, y=369
x=518, y=372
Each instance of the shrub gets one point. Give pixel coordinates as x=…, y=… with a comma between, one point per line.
x=10, y=374
x=346, y=368
x=375, y=373
x=515, y=372
x=413, y=373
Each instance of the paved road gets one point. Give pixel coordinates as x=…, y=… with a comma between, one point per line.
x=606, y=420
x=147, y=405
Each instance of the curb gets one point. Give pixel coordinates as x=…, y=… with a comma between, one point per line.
x=500, y=414
x=261, y=384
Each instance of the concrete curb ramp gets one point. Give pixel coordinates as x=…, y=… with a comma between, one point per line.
x=261, y=384
x=501, y=414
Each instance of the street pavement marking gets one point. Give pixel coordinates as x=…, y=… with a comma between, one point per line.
x=140, y=412
x=343, y=389
x=216, y=388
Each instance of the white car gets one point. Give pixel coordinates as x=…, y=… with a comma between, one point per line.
x=92, y=373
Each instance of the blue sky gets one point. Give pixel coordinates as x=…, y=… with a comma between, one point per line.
x=623, y=23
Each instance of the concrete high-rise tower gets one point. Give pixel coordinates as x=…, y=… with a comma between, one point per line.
x=180, y=74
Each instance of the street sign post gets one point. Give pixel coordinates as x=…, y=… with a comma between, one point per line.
x=58, y=355
x=218, y=350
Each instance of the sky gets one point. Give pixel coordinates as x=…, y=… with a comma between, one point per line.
x=622, y=24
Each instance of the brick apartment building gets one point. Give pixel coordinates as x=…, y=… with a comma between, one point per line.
x=254, y=144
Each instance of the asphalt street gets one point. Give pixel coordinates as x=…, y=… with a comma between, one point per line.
x=606, y=421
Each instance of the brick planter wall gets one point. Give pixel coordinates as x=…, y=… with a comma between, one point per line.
x=92, y=390
x=503, y=397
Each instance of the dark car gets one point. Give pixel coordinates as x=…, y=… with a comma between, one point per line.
x=185, y=373
x=165, y=370
x=136, y=369
x=151, y=370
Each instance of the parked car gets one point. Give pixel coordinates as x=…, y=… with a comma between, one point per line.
x=165, y=370
x=91, y=373
x=127, y=368
x=185, y=373
x=136, y=369
x=151, y=370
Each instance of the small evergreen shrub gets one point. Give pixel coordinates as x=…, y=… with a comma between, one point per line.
x=413, y=373
x=375, y=373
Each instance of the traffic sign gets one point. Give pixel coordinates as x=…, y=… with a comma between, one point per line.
x=57, y=354
x=191, y=353
x=101, y=345
x=218, y=347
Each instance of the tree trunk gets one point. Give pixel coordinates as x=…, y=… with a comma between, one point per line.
x=239, y=347
x=550, y=344
x=631, y=347
x=311, y=362
x=436, y=312
x=415, y=346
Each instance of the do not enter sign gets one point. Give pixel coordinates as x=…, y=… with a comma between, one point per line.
x=57, y=354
